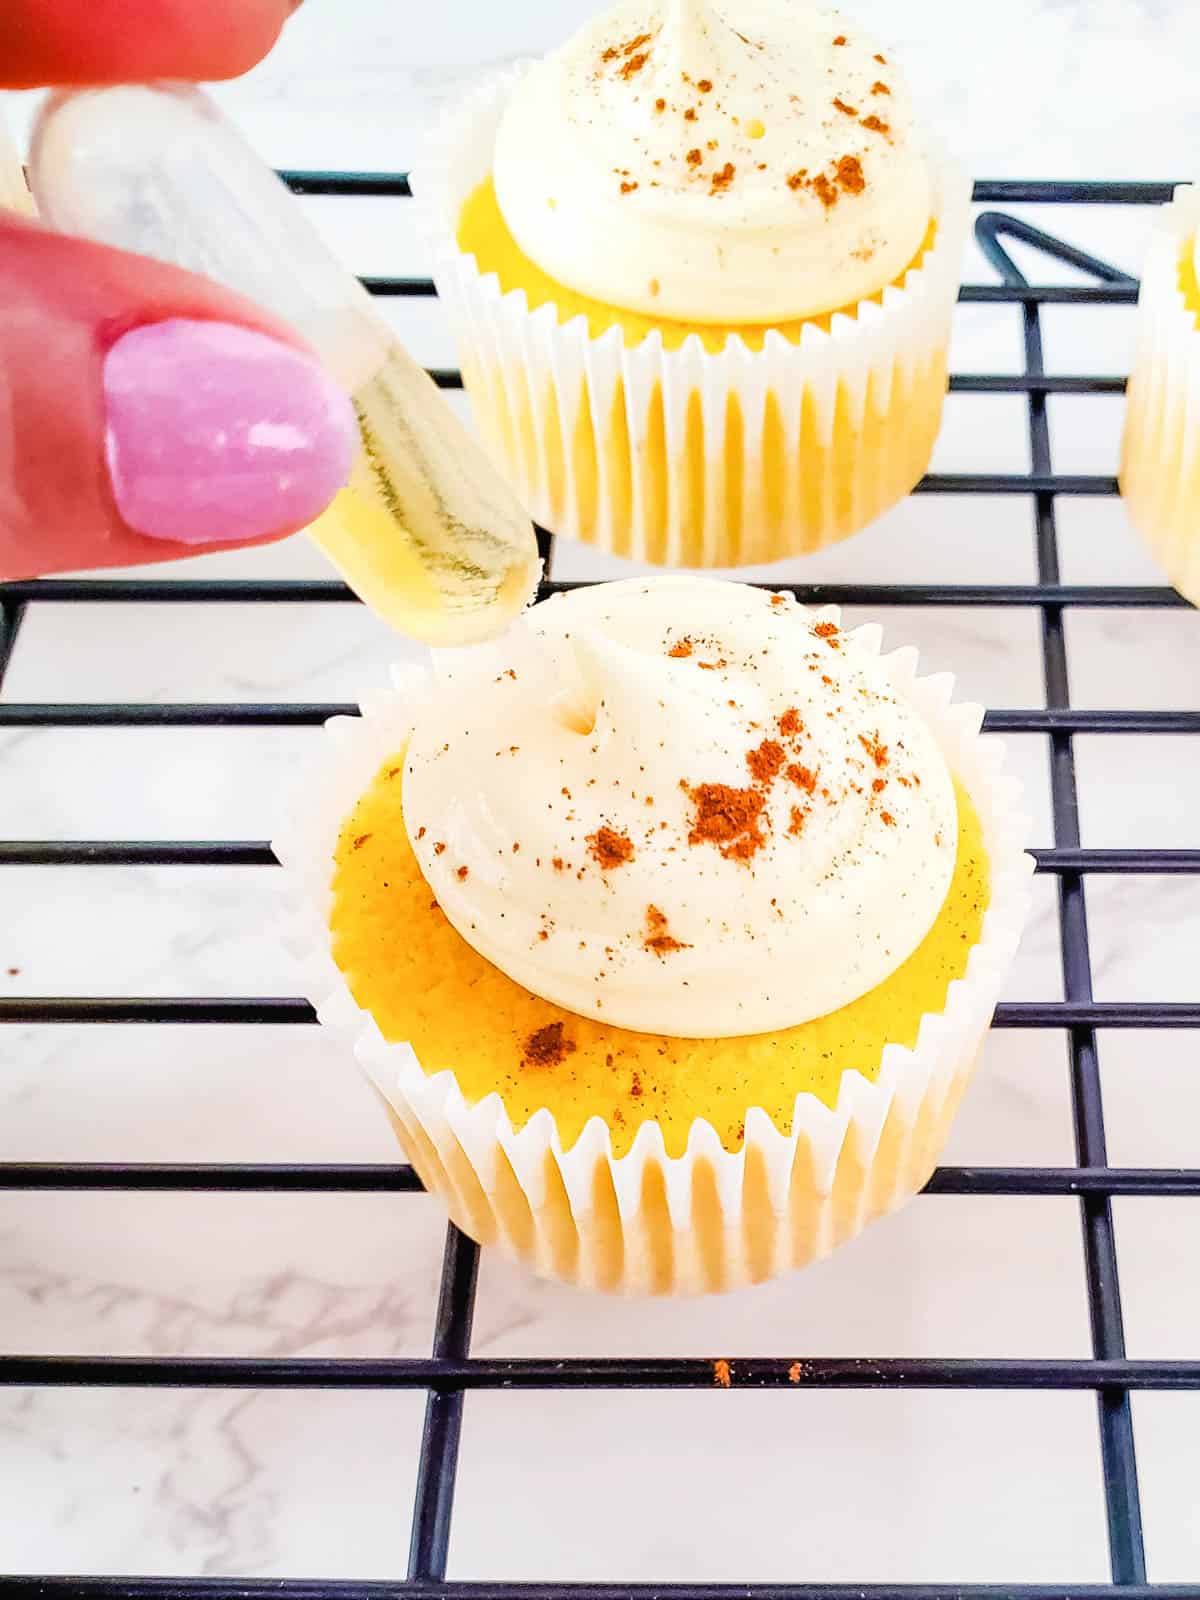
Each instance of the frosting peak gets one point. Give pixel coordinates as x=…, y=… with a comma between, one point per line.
x=752, y=162
x=683, y=806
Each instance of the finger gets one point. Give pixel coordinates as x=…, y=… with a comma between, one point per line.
x=131, y=41
x=146, y=413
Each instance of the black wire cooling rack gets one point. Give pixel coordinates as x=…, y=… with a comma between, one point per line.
x=450, y=1371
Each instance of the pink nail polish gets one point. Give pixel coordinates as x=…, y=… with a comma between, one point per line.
x=215, y=432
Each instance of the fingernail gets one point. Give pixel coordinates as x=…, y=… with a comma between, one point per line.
x=216, y=432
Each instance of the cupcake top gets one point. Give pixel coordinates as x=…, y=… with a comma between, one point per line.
x=683, y=806
x=752, y=161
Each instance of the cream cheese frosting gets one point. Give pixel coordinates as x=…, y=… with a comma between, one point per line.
x=682, y=805
x=752, y=161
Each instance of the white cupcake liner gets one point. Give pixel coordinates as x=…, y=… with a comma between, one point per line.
x=646, y=1222
x=575, y=421
x=1160, y=469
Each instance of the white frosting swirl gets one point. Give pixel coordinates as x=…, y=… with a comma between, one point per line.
x=683, y=806
x=753, y=162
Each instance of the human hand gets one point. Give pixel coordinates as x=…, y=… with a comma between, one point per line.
x=146, y=413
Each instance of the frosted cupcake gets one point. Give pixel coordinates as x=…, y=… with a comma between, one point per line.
x=1160, y=467
x=701, y=266
x=668, y=928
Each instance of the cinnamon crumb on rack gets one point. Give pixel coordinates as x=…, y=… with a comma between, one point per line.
x=722, y=1374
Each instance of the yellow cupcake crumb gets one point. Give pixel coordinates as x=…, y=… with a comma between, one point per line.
x=422, y=982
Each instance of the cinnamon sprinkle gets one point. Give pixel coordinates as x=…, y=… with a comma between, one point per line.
x=790, y=724
x=766, y=762
x=658, y=936
x=841, y=39
x=547, y=1047
x=360, y=841
x=803, y=777
x=880, y=88
x=729, y=818
x=610, y=848
x=796, y=824
x=877, y=751
x=627, y=187
x=847, y=111
x=829, y=632
x=850, y=175
x=825, y=191
x=876, y=125
x=722, y=180
x=704, y=85
x=681, y=649
x=694, y=158
x=463, y=874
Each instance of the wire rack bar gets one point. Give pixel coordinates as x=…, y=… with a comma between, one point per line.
x=275, y=1010
x=452, y=1375
x=438, y=1464
x=201, y=1177
x=991, y=191
x=320, y=591
x=1122, y=1499
x=258, y=853
x=1050, y=294
x=67, y=1588
x=298, y=714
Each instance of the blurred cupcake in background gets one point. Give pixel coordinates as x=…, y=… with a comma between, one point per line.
x=1160, y=465
x=701, y=266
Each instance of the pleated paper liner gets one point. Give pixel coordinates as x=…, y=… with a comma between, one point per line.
x=644, y=1222
x=686, y=457
x=1160, y=465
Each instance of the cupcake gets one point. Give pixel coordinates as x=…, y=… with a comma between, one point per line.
x=701, y=266
x=668, y=928
x=1160, y=463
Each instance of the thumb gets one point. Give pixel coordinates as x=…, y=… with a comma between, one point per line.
x=146, y=413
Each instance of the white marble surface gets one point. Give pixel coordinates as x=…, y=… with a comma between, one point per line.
x=902, y=1486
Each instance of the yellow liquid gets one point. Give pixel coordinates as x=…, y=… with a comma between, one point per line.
x=426, y=532
x=423, y=983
